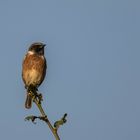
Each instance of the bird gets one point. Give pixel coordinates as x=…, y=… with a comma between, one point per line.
x=34, y=68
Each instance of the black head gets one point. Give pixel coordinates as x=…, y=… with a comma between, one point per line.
x=37, y=48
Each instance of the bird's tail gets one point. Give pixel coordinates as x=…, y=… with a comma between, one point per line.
x=28, y=102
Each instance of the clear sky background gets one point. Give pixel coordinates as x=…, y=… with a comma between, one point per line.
x=93, y=54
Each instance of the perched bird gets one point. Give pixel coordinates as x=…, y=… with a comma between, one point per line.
x=33, y=69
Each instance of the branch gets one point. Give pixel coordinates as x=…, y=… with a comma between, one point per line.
x=37, y=99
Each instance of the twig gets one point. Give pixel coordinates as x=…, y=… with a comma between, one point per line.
x=47, y=120
x=37, y=98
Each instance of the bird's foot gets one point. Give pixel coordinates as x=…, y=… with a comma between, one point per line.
x=33, y=91
x=38, y=97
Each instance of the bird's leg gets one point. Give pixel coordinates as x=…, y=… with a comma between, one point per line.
x=32, y=90
x=38, y=96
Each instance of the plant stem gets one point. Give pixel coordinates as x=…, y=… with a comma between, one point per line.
x=54, y=131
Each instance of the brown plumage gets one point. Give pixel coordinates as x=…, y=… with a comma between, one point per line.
x=33, y=69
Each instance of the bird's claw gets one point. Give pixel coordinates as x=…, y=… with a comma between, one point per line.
x=38, y=97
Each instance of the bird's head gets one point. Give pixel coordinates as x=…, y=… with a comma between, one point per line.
x=37, y=48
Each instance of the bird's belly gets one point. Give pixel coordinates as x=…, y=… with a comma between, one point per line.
x=32, y=77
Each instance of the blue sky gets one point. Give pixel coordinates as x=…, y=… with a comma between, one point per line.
x=93, y=67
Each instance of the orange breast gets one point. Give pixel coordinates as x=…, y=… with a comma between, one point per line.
x=33, y=69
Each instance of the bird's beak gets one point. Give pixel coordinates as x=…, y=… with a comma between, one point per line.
x=44, y=45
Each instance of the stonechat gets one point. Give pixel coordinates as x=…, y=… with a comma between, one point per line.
x=33, y=69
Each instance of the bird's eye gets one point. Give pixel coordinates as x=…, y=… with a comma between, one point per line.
x=38, y=49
